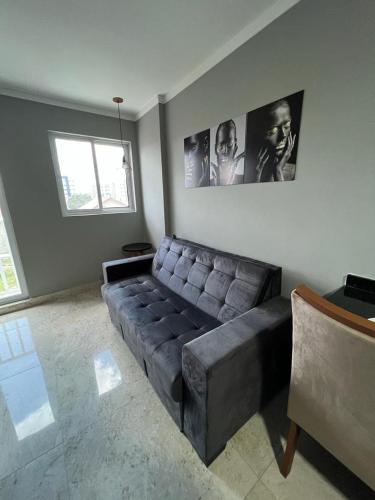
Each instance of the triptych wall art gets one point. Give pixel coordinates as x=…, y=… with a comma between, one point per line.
x=259, y=146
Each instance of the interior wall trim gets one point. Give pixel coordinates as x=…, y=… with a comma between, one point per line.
x=158, y=99
x=250, y=30
x=20, y=94
x=50, y=297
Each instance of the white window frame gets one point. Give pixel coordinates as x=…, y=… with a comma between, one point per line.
x=23, y=294
x=66, y=212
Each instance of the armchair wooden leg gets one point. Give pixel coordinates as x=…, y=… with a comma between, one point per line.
x=290, y=449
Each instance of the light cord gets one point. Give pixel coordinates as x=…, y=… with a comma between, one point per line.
x=122, y=141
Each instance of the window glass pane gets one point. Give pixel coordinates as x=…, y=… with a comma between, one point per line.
x=9, y=284
x=77, y=174
x=112, y=175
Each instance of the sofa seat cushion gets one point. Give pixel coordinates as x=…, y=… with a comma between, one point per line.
x=162, y=340
x=160, y=323
x=122, y=295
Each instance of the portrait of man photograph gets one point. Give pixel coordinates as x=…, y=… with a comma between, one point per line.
x=228, y=152
x=197, y=159
x=272, y=133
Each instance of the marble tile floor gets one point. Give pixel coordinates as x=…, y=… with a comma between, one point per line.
x=79, y=420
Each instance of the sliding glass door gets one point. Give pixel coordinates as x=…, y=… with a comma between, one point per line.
x=12, y=281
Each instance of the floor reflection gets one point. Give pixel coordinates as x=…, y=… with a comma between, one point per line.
x=107, y=372
x=22, y=379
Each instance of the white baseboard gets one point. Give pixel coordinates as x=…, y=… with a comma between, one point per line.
x=42, y=299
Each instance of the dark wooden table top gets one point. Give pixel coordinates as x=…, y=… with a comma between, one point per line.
x=356, y=296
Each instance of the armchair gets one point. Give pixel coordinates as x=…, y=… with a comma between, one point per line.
x=332, y=394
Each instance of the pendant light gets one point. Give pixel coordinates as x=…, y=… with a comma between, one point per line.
x=125, y=164
x=118, y=101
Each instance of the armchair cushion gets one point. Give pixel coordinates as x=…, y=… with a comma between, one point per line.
x=332, y=393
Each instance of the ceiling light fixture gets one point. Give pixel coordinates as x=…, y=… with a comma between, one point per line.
x=126, y=157
x=118, y=101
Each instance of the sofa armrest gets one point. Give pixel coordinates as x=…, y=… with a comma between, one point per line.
x=114, y=270
x=231, y=371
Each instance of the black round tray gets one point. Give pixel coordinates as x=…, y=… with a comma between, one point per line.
x=136, y=247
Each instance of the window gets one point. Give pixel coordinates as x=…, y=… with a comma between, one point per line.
x=92, y=177
x=12, y=280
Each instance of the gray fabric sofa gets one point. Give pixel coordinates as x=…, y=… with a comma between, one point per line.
x=210, y=331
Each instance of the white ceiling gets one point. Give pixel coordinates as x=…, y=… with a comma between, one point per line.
x=80, y=53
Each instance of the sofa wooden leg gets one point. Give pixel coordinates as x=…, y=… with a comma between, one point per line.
x=291, y=445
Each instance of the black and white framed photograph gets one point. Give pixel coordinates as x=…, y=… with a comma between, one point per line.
x=272, y=134
x=259, y=146
x=197, y=159
x=227, y=152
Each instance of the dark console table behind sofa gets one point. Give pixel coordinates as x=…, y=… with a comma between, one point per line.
x=210, y=331
x=356, y=296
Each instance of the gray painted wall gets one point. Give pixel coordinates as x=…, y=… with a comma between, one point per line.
x=57, y=252
x=151, y=144
x=320, y=226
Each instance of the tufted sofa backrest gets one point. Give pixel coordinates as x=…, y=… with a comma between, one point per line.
x=221, y=284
